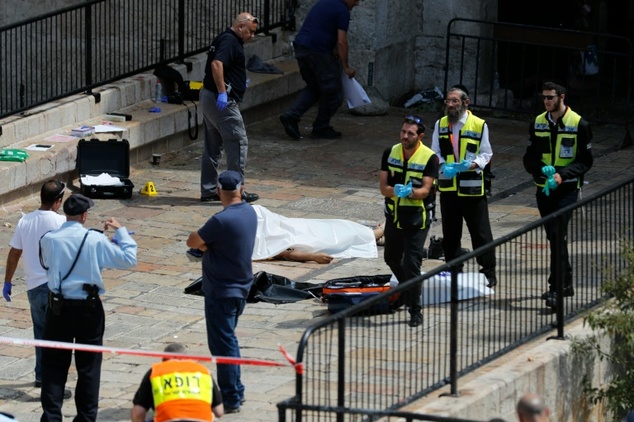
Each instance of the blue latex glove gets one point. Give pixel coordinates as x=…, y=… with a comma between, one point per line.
x=403, y=191
x=221, y=101
x=449, y=170
x=548, y=171
x=549, y=185
x=464, y=165
x=6, y=291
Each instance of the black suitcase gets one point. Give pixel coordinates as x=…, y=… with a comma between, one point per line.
x=95, y=157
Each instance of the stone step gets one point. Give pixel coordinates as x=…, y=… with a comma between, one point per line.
x=147, y=132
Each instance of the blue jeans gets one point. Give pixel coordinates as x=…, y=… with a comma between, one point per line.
x=221, y=316
x=38, y=299
x=224, y=130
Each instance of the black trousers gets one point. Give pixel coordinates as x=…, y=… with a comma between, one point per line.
x=81, y=323
x=474, y=210
x=322, y=74
x=403, y=253
x=558, y=199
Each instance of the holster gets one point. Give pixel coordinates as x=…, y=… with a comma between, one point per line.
x=56, y=303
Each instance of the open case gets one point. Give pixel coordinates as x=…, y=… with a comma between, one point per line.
x=95, y=157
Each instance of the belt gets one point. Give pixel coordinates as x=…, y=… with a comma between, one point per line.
x=78, y=303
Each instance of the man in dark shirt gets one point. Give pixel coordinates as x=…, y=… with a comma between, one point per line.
x=558, y=155
x=227, y=240
x=321, y=50
x=408, y=171
x=224, y=83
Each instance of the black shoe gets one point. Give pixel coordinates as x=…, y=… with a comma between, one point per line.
x=249, y=197
x=415, y=320
x=568, y=292
x=211, y=198
x=232, y=409
x=290, y=126
x=326, y=133
x=493, y=281
x=67, y=394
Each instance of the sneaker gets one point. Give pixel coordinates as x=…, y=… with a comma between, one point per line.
x=249, y=197
x=326, y=133
x=211, y=198
x=290, y=126
x=232, y=409
x=415, y=320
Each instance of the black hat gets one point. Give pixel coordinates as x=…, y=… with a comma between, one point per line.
x=461, y=88
x=77, y=204
x=229, y=180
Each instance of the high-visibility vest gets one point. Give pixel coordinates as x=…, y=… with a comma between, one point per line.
x=408, y=211
x=566, y=143
x=181, y=389
x=466, y=183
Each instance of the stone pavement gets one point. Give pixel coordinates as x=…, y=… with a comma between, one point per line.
x=146, y=306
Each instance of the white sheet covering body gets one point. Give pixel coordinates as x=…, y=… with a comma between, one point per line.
x=335, y=237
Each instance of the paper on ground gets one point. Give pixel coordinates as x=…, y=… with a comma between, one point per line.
x=354, y=92
x=335, y=237
x=438, y=288
x=104, y=179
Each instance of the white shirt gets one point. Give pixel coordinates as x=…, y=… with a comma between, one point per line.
x=481, y=160
x=27, y=238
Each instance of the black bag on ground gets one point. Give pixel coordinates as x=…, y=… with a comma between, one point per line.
x=270, y=288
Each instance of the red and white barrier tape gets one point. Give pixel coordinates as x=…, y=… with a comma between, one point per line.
x=136, y=352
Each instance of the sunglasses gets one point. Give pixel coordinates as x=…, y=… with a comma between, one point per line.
x=548, y=97
x=60, y=194
x=250, y=19
x=414, y=120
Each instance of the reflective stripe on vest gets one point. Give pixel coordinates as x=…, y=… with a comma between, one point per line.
x=466, y=183
x=181, y=390
x=565, y=145
x=414, y=173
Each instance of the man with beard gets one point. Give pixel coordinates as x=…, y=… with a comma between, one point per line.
x=557, y=157
x=461, y=140
x=408, y=171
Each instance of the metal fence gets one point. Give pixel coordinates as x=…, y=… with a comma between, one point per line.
x=504, y=66
x=354, y=360
x=97, y=42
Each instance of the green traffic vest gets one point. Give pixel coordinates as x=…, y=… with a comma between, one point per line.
x=565, y=150
x=466, y=183
x=407, y=213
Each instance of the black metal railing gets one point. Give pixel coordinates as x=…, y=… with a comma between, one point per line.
x=353, y=360
x=505, y=64
x=79, y=48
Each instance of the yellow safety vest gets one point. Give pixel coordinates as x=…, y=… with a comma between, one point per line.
x=407, y=213
x=466, y=183
x=565, y=144
x=181, y=389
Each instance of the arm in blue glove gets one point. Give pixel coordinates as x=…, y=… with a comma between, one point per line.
x=221, y=101
x=6, y=291
x=464, y=165
x=449, y=170
x=403, y=191
x=548, y=171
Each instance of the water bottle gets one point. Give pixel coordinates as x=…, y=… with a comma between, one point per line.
x=158, y=92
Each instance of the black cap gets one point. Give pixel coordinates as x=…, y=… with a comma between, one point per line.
x=77, y=204
x=461, y=88
x=229, y=180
